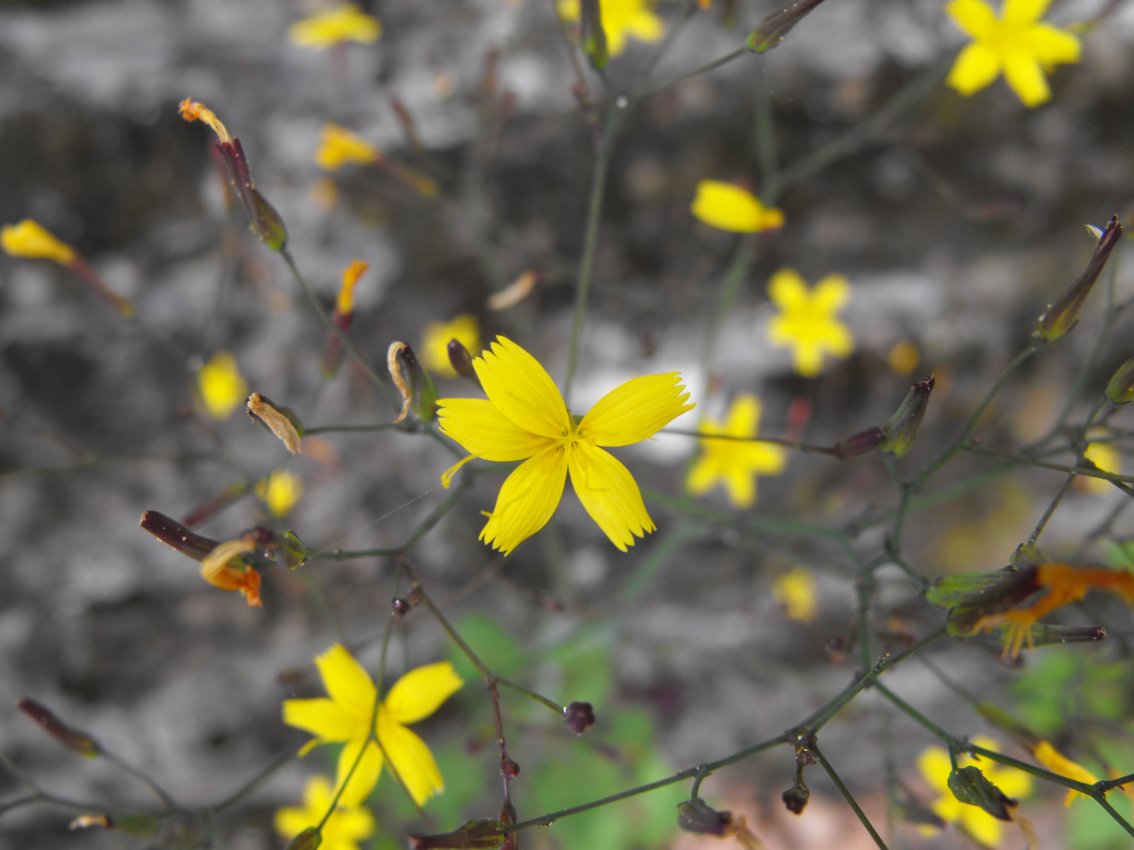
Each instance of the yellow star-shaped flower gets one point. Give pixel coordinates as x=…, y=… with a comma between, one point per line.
x=807, y=319
x=220, y=386
x=935, y=767
x=345, y=23
x=345, y=717
x=621, y=19
x=735, y=462
x=344, y=829
x=525, y=418
x=1016, y=44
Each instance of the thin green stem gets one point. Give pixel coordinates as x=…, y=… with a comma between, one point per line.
x=615, y=112
x=798, y=445
x=851, y=801
x=642, y=94
x=254, y=781
x=142, y=777
x=914, y=714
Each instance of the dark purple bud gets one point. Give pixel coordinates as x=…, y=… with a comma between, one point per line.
x=796, y=797
x=858, y=444
x=508, y=768
x=698, y=817
x=72, y=739
x=579, y=717
x=400, y=606
x=172, y=533
x=460, y=359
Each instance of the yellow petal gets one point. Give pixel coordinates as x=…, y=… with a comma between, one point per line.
x=935, y=767
x=323, y=718
x=1055, y=761
x=788, y=289
x=522, y=390
x=1026, y=78
x=221, y=387
x=421, y=691
x=636, y=410
x=702, y=475
x=980, y=825
x=831, y=293
x=412, y=760
x=338, y=146
x=975, y=17
x=741, y=486
x=346, y=23
x=726, y=206
x=975, y=68
x=1051, y=46
x=346, y=681
x=609, y=494
x=1024, y=11
x=280, y=491
x=31, y=239
x=480, y=427
x=365, y=776
x=527, y=500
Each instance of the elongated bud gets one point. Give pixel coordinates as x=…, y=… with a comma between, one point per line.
x=279, y=420
x=858, y=444
x=309, y=839
x=1120, y=388
x=592, y=33
x=775, y=27
x=699, y=818
x=971, y=596
x=1060, y=317
x=72, y=739
x=473, y=835
x=579, y=717
x=417, y=390
x=461, y=360
x=172, y=533
x=971, y=787
x=288, y=549
x=900, y=430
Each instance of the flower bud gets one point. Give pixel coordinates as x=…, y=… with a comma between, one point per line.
x=795, y=798
x=461, y=360
x=971, y=787
x=901, y=428
x=972, y=596
x=400, y=606
x=509, y=769
x=418, y=391
x=1060, y=317
x=579, y=717
x=1120, y=388
x=172, y=533
x=698, y=817
x=72, y=739
x=309, y=839
x=481, y=834
x=289, y=551
x=592, y=34
x=279, y=420
x=858, y=444
x=775, y=27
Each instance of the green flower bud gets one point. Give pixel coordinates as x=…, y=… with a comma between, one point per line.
x=774, y=28
x=1061, y=316
x=1120, y=388
x=971, y=787
x=900, y=430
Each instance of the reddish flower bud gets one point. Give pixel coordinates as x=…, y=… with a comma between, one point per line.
x=172, y=533
x=509, y=769
x=579, y=717
x=461, y=360
x=1061, y=316
x=72, y=739
x=796, y=797
x=400, y=606
x=698, y=817
x=858, y=444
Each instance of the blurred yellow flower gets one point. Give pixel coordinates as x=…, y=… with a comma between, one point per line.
x=280, y=492
x=220, y=386
x=734, y=462
x=1015, y=44
x=347, y=826
x=726, y=206
x=32, y=240
x=1056, y=762
x=345, y=23
x=345, y=716
x=982, y=827
x=525, y=418
x=807, y=319
x=795, y=591
x=435, y=350
x=621, y=19
x=338, y=146
x=1108, y=459
x=344, y=303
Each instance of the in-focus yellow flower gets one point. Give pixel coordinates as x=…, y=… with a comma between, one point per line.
x=1107, y=458
x=935, y=766
x=734, y=462
x=1015, y=44
x=345, y=717
x=435, y=349
x=345, y=23
x=1056, y=762
x=280, y=491
x=221, y=386
x=621, y=19
x=807, y=319
x=343, y=829
x=726, y=206
x=795, y=591
x=32, y=240
x=525, y=418
x=338, y=146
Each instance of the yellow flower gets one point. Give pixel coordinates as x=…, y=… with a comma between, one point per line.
x=621, y=18
x=280, y=491
x=435, y=350
x=346, y=23
x=1108, y=459
x=795, y=591
x=1056, y=762
x=32, y=240
x=343, y=829
x=735, y=462
x=1015, y=44
x=807, y=320
x=935, y=766
x=726, y=206
x=338, y=146
x=221, y=386
x=525, y=418
x=344, y=304
x=345, y=717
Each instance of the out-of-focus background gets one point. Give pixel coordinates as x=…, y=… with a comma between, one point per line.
x=954, y=219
